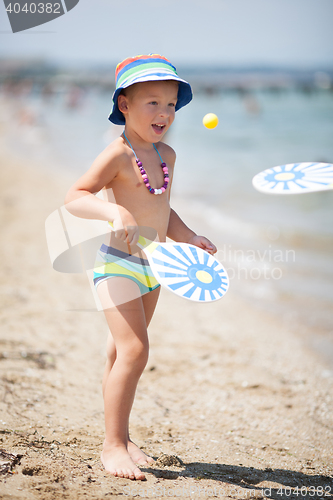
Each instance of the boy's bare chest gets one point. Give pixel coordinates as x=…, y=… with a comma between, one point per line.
x=135, y=180
x=129, y=190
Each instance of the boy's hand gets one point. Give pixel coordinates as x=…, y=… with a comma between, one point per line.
x=126, y=229
x=204, y=243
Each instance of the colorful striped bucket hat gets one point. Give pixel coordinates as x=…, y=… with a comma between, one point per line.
x=146, y=68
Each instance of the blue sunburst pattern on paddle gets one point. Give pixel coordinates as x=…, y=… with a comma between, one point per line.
x=295, y=178
x=190, y=272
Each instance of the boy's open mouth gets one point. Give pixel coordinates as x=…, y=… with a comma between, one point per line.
x=158, y=128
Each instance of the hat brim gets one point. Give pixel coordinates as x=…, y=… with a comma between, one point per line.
x=183, y=98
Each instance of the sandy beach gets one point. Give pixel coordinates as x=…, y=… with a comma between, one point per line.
x=232, y=403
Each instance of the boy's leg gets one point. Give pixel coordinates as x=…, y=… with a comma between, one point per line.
x=127, y=323
x=149, y=301
x=149, y=304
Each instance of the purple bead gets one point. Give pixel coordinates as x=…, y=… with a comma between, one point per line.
x=139, y=162
x=152, y=190
x=163, y=164
x=146, y=181
x=142, y=170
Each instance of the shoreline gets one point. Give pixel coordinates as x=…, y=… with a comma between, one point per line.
x=231, y=390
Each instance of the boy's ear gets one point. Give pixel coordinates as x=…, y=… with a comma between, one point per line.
x=122, y=103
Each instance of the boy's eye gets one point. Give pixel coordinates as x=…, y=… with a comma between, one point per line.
x=172, y=104
x=154, y=103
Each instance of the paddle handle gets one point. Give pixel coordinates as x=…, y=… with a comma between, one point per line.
x=144, y=243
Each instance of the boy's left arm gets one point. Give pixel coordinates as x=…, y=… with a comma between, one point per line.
x=178, y=231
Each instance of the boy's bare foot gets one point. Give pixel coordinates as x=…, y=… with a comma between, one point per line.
x=137, y=455
x=117, y=461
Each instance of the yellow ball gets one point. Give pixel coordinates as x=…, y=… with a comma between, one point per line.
x=210, y=120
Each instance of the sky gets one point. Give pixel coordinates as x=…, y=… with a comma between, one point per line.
x=289, y=33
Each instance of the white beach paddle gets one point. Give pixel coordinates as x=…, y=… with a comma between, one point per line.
x=295, y=178
x=186, y=270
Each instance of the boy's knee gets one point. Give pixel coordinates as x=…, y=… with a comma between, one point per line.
x=137, y=355
x=140, y=354
x=111, y=356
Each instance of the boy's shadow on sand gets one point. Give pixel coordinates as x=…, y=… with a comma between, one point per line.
x=249, y=477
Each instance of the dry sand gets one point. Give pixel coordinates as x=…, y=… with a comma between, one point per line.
x=232, y=402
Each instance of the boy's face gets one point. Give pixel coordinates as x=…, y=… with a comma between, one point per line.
x=149, y=108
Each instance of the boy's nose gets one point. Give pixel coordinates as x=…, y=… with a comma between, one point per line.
x=164, y=111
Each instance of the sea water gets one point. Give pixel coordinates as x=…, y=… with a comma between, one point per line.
x=277, y=249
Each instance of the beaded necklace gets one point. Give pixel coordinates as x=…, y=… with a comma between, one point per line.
x=145, y=176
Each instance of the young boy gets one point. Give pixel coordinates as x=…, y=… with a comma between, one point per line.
x=135, y=173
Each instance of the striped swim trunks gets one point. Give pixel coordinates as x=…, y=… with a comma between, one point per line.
x=112, y=262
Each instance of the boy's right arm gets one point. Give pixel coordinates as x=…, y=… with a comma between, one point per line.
x=81, y=201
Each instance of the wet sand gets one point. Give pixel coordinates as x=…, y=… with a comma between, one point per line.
x=232, y=402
